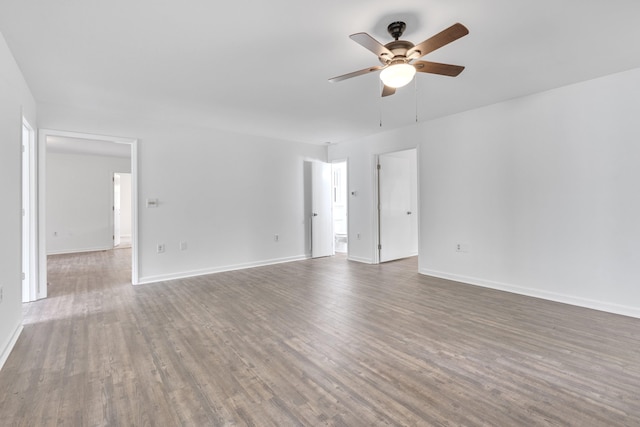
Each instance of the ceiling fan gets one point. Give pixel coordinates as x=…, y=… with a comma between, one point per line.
x=398, y=57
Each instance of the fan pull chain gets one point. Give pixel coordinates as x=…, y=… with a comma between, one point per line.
x=380, y=100
x=416, y=93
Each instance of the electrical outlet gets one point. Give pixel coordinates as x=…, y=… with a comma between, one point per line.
x=276, y=238
x=160, y=248
x=463, y=247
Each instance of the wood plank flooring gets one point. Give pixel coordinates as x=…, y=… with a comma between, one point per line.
x=312, y=343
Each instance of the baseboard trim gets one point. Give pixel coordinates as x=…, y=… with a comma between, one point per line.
x=78, y=251
x=537, y=293
x=9, y=347
x=205, y=271
x=360, y=259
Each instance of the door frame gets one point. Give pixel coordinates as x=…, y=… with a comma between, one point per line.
x=113, y=201
x=115, y=224
x=376, y=200
x=41, y=261
x=29, y=179
x=325, y=166
x=346, y=183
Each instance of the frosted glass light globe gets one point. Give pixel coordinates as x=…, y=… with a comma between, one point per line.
x=397, y=75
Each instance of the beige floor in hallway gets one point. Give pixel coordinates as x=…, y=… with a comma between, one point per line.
x=317, y=342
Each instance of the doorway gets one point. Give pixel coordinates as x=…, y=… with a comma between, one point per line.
x=121, y=210
x=99, y=142
x=321, y=221
x=339, y=206
x=397, y=205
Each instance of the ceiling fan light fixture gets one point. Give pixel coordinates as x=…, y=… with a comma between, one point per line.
x=397, y=75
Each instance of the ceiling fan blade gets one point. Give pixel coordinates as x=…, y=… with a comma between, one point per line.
x=443, y=38
x=388, y=90
x=368, y=42
x=356, y=73
x=437, y=68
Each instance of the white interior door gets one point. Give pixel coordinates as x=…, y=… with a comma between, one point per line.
x=397, y=198
x=116, y=209
x=321, y=220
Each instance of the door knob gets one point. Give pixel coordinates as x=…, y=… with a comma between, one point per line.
x=315, y=214
x=408, y=212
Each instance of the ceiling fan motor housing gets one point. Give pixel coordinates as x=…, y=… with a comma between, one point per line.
x=399, y=49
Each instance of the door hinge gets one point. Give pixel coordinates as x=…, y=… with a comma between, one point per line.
x=379, y=247
x=379, y=166
x=23, y=276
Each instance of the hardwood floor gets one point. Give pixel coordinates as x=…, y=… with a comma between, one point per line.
x=317, y=342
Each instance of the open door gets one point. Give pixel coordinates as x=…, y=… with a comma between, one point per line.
x=397, y=202
x=116, y=210
x=321, y=220
x=339, y=206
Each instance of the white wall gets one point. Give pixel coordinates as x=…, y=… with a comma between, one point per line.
x=79, y=201
x=225, y=194
x=15, y=100
x=542, y=189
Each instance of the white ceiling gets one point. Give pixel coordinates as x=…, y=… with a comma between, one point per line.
x=261, y=67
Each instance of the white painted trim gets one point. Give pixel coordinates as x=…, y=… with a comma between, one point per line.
x=346, y=162
x=376, y=201
x=134, y=212
x=42, y=242
x=80, y=250
x=41, y=213
x=202, y=272
x=6, y=351
x=375, y=212
x=33, y=214
x=536, y=293
x=361, y=259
